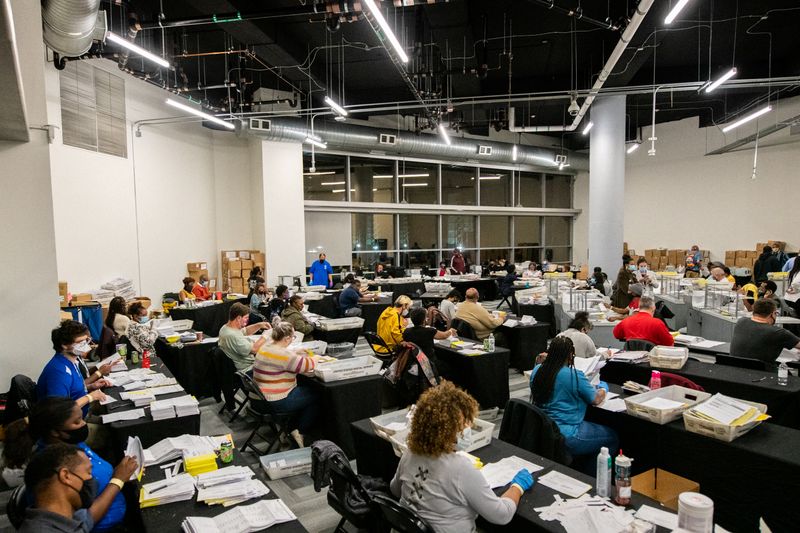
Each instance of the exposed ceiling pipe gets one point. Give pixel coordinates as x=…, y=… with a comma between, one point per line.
x=355, y=138
x=228, y=18
x=70, y=26
x=133, y=30
x=577, y=13
x=625, y=39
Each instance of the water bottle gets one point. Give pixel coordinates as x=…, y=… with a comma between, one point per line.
x=491, y=342
x=603, y=480
x=655, y=380
x=622, y=469
x=783, y=374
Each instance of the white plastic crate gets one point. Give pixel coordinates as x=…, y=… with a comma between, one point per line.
x=386, y=425
x=338, y=324
x=676, y=393
x=666, y=357
x=719, y=431
x=481, y=436
x=355, y=367
x=340, y=350
x=285, y=464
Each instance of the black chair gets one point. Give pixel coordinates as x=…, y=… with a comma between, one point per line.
x=16, y=505
x=20, y=398
x=528, y=427
x=345, y=485
x=638, y=345
x=171, y=296
x=743, y=362
x=382, y=352
x=230, y=383
x=463, y=328
x=400, y=518
x=278, y=423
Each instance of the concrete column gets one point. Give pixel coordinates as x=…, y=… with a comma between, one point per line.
x=607, y=183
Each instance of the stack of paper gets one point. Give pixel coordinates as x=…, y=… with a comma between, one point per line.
x=687, y=339
x=587, y=514
x=589, y=365
x=501, y=473
x=174, y=447
x=174, y=489
x=564, y=484
x=158, y=380
x=115, y=360
x=245, y=519
x=229, y=486
x=140, y=398
x=725, y=410
x=788, y=356
x=133, y=414
x=136, y=451
x=174, y=407
x=134, y=385
x=613, y=403
x=630, y=357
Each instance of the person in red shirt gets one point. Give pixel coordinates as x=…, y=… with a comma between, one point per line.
x=200, y=290
x=642, y=325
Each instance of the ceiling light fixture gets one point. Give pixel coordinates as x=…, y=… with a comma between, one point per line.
x=496, y=177
x=315, y=142
x=342, y=190
x=545, y=160
x=116, y=39
x=588, y=127
x=632, y=148
x=387, y=31
x=445, y=136
x=748, y=118
x=514, y=153
x=415, y=185
x=425, y=175
x=336, y=107
x=193, y=111
x=725, y=77
x=332, y=183
x=675, y=10
x=327, y=173
x=383, y=176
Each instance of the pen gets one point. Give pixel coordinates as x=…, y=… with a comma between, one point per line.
x=759, y=379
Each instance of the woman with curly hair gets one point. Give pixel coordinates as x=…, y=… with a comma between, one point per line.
x=442, y=486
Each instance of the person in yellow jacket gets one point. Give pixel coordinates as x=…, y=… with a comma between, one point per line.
x=392, y=323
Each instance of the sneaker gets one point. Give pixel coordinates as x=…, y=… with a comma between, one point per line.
x=298, y=438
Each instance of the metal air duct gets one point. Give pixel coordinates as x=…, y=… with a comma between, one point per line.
x=70, y=26
x=355, y=138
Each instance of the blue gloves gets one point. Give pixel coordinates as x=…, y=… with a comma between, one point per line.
x=523, y=480
x=603, y=385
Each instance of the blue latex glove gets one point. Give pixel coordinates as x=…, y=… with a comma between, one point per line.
x=603, y=385
x=523, y=480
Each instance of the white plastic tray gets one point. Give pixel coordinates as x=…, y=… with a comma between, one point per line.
x=355, y=367
x=285, y=464
x=676, y=393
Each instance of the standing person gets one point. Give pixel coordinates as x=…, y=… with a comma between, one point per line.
x=457, y=262
x=186, y=292
x=448, y=306
x=321, y=272
x=635, y=290
x=117, y=318
x=766, y=263
x=645, y=276
x=233, y=339
x=792, y=295
x=779, y=254
x=693, y=262
x=200, y=289
x=620, y=295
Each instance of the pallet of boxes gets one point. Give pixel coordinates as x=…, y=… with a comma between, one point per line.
x=236, y=267
x=200, y=268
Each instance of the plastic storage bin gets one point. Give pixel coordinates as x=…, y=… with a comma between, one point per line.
x=285, y=464
x=664, y=357
x=718, y=431
x=338, y=324
x=689, y=397
x=355, y=367
x=340, y=350
x=481, y=436
x=387, y=425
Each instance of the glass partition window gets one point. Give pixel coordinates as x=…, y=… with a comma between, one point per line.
x=458, y=231
x=417, y=182
x=558, y=191
x=494, y=232
x=558, y=231
x=495, y=187
x=372, y=233
x=458, y=185
x=372, y=180
x=529, y=192
x=418, y=232
x=527, y=239
x=326, y=181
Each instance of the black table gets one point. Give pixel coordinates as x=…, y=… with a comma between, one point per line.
x=371, y=311
x=168, y=518
x=343, y=402
x=325, y=307
x=484, y=376
x=429, y=298
x=542, y=313
x=525, y=341
x=755, y=475
x=486, y=287
x=375, y=457
x=783, y=402
x=191, y=364
x=721, y=349
x=208, y=319
x=412, y=289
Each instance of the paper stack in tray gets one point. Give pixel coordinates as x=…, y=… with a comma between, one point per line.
x=244, y=519
x=630, y=357
x=174, y=447
x=174, y=489
x=229, y=486
x=174, y=407
x=586, y=513
x=725, y=410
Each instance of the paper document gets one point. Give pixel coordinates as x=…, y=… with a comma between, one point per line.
x=527, y=319
x=706, y=344
x=108, y=400
x=725, y=410
x=587, y=514
x=510, y=323
x=136, y=451
x=788, y=356
x=658, y=517
x=133, y=414
x=662, y=403
x=243, y=519
x=616, y=405
x=501, y=473
x=564, y=484
x=110, y=360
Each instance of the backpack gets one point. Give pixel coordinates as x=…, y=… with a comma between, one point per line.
x=412, y=373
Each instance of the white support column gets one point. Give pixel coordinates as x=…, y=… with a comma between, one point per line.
x=607, y=183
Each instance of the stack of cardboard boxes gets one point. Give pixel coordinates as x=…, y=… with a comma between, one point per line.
x=747, y=258
x=236, y=267
x=661, y=258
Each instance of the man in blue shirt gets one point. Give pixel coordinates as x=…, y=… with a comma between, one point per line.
x=321, y=272
x=351, y=297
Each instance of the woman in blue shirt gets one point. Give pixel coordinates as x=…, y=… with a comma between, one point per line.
x=60, y=420
x=564, y=393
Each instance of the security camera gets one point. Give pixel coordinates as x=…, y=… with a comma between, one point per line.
x=573, y=108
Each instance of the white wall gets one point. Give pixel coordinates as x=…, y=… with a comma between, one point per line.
x=28, y=279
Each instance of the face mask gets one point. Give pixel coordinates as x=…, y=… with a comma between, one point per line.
x=81, y=348
x=76, y=436
x=464, y=439
x=643, y=270
x=761, y=294
x=321, y=261
x=87, y=492
x=631, y=268
x=245, y=320
x=405, y=312
x=143, y=319
x=204, y=283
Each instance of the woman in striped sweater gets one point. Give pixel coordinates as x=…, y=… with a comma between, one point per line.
x=275, y=372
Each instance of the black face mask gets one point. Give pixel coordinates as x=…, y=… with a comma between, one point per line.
x=76, y=436
x=87, y=492
x=321, y=261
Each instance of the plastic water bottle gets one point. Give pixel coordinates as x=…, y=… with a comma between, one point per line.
x=655, y=380
x=603, y=480
x=622, y=469
x=491, y=342
x=783, y=374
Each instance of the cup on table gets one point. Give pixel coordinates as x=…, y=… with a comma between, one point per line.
x=199, y=336
x=122, y=350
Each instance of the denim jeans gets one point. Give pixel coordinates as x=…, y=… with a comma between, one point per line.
x=301, y=403
x=590, y=438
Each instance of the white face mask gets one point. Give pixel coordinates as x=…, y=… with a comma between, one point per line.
x=81, y=348
x=405, y=312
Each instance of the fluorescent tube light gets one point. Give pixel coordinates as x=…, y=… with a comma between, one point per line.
x=194, y=111
x=327, y=173
x=632, y=148
x=383, y=176
x=415, y=185
x=423, y=175
x=336, y=107
x=387, y=31
x=725, y=77
x=497, y=177
x=342, y=190
x=443, y=131
x=545, y=160
x=675, y=10
x=116, y=39
x=318, y=144
x=588, y=127
x=332, y=183
x=514, y=153
x=748, y=118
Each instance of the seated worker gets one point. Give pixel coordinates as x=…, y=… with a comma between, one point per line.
x=278, y=302
x=563, y=393
x=61, y=375
x=443, y=487
x=275, y=372
x=598, y=280
x=507, y=284
x=351, y=297
x=635, y=290
x=140, y=331
x=644, y=275
x=422, y=335
x=293, y=314
x=380, y=271
x=532, y=271
x=765, y=289
x=448, y=306
x=643, y=325
x=443, y=270
x=473, y=313
x=57, y=422
x=255, y=277
x=392, y=322
x=718, y=278
x=758, y=337
x=186, y=292
x=259, y=297
x=577, y=332
x=200, y=289
x=117, y=318
x=728, y=275
x=233, y=339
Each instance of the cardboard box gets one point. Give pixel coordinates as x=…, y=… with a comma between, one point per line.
x=247, y=265
x=663, y=486
x=196, y=266
x=82, y=297
x=234, y=264
x=63, y=293
x=64, y=315
x=258, y=258
x=237, y=285
x=780, y=244
x=743, y=263
x=197, y=273
x=233, y=274
x=730, y=256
